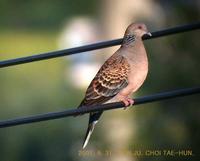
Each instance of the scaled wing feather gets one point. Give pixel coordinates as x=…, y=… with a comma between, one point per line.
x=110, y=79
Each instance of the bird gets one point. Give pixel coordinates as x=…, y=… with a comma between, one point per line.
x=120, y=76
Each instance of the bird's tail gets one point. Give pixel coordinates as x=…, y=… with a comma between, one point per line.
x=90, y=129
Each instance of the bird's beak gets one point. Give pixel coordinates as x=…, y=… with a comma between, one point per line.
x=148, y=33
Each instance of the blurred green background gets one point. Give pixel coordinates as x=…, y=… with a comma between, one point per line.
x=30, y=27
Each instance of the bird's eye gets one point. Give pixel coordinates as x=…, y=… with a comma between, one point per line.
x=140, y=27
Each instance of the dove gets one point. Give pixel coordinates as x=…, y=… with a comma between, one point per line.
x=120, y=76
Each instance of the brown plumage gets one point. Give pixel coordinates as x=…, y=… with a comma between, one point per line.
x=121, y=75
x=111, y=78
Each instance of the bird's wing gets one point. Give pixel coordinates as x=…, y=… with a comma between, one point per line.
x=110, y=79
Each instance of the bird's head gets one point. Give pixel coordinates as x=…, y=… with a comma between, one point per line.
x=134, y=31
x=137, y=30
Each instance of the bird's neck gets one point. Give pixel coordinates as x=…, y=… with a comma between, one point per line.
x=131, y=42
x=128, y=40
x=134, y=50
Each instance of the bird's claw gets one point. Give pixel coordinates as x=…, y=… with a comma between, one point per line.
x=126, y=100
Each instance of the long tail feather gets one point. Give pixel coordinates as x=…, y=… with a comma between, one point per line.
x=89, y=133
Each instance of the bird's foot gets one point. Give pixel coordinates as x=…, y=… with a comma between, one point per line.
x=129, y=102
x=126, y=100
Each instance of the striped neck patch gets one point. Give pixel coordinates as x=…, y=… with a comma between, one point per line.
x=128, y=39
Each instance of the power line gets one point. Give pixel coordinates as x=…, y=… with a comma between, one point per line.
x=109, y=106
x=95, y=46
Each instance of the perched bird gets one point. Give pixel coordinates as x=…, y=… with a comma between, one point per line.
x=121, y=75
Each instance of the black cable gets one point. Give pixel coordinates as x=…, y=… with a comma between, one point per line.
x=95, y=46
x=109, y=106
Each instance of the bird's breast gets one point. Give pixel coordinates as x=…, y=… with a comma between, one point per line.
x=138, y=69
x=137, y=76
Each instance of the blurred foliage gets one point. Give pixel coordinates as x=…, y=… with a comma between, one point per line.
x=29, y=27
x=47, y=14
